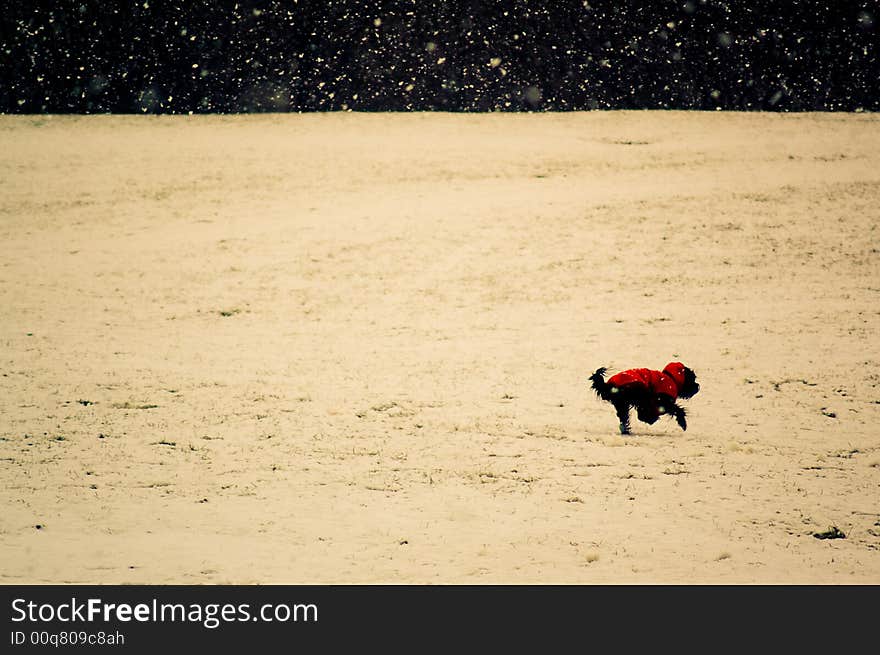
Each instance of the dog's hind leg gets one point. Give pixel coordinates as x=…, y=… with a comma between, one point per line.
x=623, y=416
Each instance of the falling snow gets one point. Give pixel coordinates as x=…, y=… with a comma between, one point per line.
x=511, y=55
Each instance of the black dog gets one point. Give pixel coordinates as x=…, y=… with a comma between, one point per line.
x=651, y=393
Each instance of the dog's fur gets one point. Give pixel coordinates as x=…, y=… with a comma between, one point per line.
x=649, y=406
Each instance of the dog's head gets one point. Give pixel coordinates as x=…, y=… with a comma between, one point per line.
x=685, y=379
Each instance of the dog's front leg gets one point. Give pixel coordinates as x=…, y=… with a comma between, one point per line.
x=680, y=416
x=668, y=406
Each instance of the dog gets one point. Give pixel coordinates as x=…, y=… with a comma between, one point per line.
x=651, y=393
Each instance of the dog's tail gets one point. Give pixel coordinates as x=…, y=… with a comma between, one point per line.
x=602, y=388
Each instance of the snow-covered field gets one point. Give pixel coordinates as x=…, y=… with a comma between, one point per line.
x=354, y=348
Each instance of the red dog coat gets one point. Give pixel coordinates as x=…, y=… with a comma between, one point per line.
x=668, y=382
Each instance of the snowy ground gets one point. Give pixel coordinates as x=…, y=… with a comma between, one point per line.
x=354, y=348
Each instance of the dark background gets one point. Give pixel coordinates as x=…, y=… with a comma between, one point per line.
x=484, y=618
x=156, y=56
